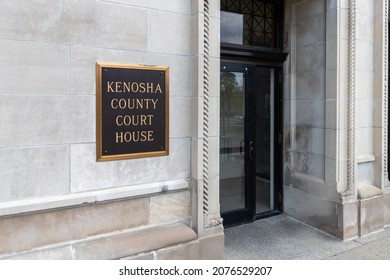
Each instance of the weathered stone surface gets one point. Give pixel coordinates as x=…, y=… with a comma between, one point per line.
x=147, y=256
x=311, y=209
x=371, y=215
x=23, y=233
x=113, y=27
x=47, y=101
x=310, y=85
x=46, y=119
x=368, y=191
x=164, y=31
x=313, y=117
x=185, y=251
x=311, y=30
x=170, y=207
x=309, y=8
x=134, y=242
x=28, y=173
x=34, y=68
x=87, y=174
x=177, y=6
x=348, y=224
x=183, y=124
x=56, y=21
x=212, y=247
x=60, y=253
x=311, y=58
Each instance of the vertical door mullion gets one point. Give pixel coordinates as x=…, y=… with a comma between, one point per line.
x=249, y=137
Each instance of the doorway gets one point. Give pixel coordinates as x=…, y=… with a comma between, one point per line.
x=251, y=119
x=250, y=141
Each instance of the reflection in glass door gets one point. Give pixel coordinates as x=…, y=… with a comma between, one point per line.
x=232, y=141
x=264, y=129
x=247, y=142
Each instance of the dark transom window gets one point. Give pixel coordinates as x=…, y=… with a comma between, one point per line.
x=250, y=22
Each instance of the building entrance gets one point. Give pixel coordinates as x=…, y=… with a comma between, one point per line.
x=248, y=141
x=250, y=110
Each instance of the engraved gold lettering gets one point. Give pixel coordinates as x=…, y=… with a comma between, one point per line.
x=134, y=136
x=117, y=120
x=149, y=87
x=119, y=137
x=143, y=120
x=150, y=135
x=122, y=103
x=144, y=136
x=112, y=103
x=109, y=87
x=127, y=120
x=118, y=87
x=127, y=136
x=134, y=87
x=150, y=119
x=134, y=120
x=131, y=103
x=139, y=104
x=142, y=87
x=126, y=87
x=154, y=101
x=158, y=89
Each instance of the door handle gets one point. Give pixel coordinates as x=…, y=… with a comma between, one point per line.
x=242, y=143
x=251, y=150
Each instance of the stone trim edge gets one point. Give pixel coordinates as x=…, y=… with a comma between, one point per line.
x=78, y=199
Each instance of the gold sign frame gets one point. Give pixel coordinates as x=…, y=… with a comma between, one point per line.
x=101, y=153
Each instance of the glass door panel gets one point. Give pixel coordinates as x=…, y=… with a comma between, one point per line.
x=232, y=141
x=264, y=127
x=247, y=142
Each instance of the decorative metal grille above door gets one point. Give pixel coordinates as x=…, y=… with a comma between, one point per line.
x=259, y=21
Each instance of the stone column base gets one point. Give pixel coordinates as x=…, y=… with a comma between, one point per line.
x=371, y=209
x=361, y=217
x=348, y=214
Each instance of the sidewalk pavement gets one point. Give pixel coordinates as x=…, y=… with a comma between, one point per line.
x=284, y=238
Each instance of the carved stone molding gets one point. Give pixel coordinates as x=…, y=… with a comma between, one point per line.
x=351, y=161
x=206, y=106
x=385, y=77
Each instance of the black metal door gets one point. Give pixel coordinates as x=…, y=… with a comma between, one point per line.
x=248, y=142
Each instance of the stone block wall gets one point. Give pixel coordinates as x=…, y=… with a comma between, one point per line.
x=47, y=102
x=310, y=107
x=48, y=93
x=336, y=113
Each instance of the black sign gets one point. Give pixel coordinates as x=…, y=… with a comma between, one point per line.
x=132, y=111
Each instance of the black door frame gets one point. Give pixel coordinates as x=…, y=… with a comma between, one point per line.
x=248, y=214
x=265, y=57
x=244, y=215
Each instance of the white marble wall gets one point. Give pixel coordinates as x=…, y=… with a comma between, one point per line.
x=47, y=99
